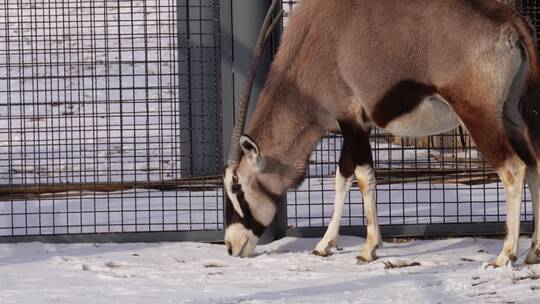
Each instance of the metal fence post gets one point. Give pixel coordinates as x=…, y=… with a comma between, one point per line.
x=199, y=90
x=240, y=24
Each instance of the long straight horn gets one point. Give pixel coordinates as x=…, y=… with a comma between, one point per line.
x=235, y=152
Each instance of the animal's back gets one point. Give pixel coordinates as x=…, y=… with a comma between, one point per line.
x=428, y=40
x=372, y=46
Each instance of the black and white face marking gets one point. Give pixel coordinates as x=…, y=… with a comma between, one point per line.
x=244, y=215
x=250, y=207
x=242, y=229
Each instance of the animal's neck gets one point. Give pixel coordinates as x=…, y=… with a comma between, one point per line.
x=285, y=127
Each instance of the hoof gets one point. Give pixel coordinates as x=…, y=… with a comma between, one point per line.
x=503, y=260
x=368, y=254
x=492, y=264
x=323, y=249
x=323, y=254
x=533, y=257
x=363, y=260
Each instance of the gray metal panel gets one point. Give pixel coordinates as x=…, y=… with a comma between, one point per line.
x=184, y=81
x=199, y=94
x=241, y=21
x=227, y=75
x=428, y=230
x=431, y=230
x=121, y=237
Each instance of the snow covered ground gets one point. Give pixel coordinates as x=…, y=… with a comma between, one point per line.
x=450, y=271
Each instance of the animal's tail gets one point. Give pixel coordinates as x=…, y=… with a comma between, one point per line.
x=529, y=98
x=529, y=105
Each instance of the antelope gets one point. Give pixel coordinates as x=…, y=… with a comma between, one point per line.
x=412, y=68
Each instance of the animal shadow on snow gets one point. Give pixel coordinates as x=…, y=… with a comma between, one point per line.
x=349, y=244
x=308, y=244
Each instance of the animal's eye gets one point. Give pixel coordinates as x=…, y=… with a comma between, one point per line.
x=235, y=178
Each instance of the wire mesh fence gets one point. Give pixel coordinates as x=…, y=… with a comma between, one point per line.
x=98, y=96
x=111, y=121
x=434, y=180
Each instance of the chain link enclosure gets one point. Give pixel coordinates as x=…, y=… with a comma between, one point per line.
x=439, y=182
x=109, y=116
x=111, y=121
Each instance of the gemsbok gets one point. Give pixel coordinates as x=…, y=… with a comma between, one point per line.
x=412, y=68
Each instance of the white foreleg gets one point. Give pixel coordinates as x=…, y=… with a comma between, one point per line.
x=342, y=186
x=513, y=178
x=533, y=180
x=367, y=184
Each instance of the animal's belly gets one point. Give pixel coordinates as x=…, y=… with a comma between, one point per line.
x=431, y=116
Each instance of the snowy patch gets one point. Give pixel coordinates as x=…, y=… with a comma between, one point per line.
x=282, y=272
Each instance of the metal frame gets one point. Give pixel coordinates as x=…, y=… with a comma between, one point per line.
x=313, y=218
x=119, y=63
x=122, y=237
x=430, y=230
x=239, y=24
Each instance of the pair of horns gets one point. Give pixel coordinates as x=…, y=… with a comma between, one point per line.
x=270, y=22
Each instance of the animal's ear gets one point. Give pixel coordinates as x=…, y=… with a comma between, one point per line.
x=251, y=151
